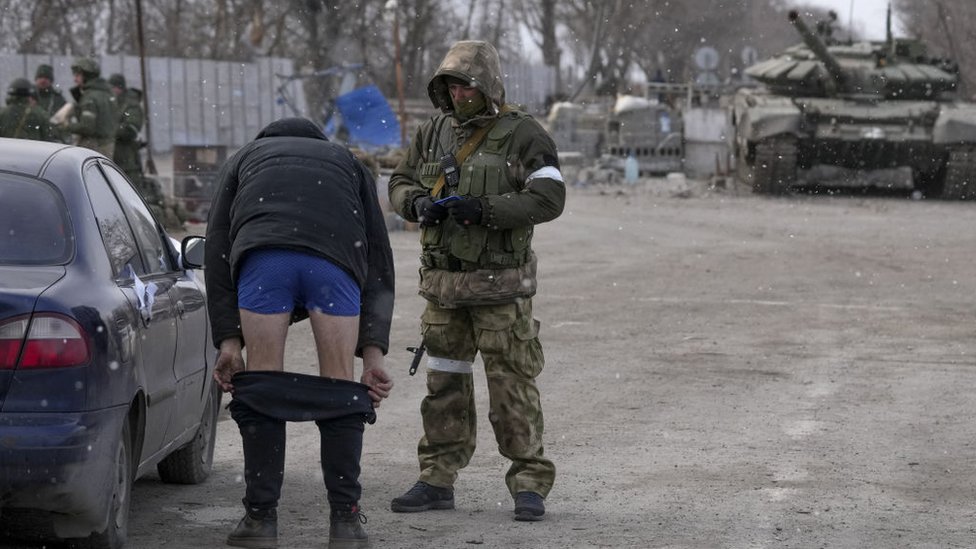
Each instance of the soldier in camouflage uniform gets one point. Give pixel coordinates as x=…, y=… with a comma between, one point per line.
x=477, y=178
x=128, y=101
x=21, y=118
x=95, y=114
x=49, y=98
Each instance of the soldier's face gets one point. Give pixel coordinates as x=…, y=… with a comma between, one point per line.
x=79, y=78
x=460, y=92
x=42, y=82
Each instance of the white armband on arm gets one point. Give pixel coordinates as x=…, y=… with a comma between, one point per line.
x=550, y=172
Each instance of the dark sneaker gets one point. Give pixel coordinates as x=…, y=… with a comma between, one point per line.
x=423, y=497
x=257, y=530
x=529, y=506
x=346, y=529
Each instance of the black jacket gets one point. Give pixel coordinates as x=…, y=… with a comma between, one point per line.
x=291, y=188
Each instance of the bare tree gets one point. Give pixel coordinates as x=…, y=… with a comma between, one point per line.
x=944, y=25
x=539, y=17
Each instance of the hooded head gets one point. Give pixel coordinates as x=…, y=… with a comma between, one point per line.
x=475, y=62
x=292, y=127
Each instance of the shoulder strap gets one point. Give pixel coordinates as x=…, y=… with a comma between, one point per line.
x=23, y=119
x=469, y=147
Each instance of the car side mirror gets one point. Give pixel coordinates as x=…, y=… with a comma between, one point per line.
x=192, y=252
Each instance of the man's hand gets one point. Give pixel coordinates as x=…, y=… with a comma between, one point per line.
x=229, y=362
x=375, y=376
x=467, y=211
x=379, y=383
x=428, y=213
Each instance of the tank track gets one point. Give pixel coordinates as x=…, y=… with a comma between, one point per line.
x=960, y=174
x=774, y=169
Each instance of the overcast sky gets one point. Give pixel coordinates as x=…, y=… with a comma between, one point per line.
x=869, y=15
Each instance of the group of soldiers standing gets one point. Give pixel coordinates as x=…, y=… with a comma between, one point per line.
x=106, y=116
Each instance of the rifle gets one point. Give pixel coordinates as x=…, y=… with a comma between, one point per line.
x=418, y=353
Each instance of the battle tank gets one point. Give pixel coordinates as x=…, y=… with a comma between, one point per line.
x=856, y=106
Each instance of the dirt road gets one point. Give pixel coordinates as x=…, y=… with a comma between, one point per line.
x=722, y=371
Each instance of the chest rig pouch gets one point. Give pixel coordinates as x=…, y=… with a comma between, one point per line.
x=487, y=173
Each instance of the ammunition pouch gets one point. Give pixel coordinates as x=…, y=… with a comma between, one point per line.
x=451, y=289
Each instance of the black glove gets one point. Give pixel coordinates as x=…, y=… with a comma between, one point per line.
x=428, y=213
x=466, y=211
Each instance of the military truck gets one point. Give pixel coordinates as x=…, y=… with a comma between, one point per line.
x=858, y=106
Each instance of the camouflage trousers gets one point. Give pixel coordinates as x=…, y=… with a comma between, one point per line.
x=507, y=338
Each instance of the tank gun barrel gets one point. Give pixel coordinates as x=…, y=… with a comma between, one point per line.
x=818, y=48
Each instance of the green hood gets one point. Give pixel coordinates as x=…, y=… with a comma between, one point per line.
x=472, y=60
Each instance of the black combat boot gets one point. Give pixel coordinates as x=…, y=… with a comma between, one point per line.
x=346, y=528
x=257, y=530
x=423, y=497
x=529, y=506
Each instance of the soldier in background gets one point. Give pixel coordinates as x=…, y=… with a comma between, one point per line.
x=132, y=118
x=49, y=98
x=21, y=118
x=128, y=102
x=96, y=117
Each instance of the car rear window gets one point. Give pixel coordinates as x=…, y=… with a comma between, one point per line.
x=34, y=227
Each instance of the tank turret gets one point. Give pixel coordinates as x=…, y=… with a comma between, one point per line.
x=889, y=69
x=835, y=74
x=849, y=108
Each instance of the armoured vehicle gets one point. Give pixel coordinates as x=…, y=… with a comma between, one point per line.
x=857, y=106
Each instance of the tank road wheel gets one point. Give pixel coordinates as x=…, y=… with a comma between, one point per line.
x=960, y=174
x=774, y=170
x=743, y=171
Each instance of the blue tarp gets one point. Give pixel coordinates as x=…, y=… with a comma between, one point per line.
x=368, y=118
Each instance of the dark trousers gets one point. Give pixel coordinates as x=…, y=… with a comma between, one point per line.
x=263, y=441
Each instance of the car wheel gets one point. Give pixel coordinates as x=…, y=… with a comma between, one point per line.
x=191, y=464
x=115, y=534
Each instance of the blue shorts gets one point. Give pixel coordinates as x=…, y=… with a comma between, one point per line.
x=273, y=281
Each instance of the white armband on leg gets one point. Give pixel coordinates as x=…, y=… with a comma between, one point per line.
x=448, y=365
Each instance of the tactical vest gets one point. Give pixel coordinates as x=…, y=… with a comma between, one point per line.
x=453, y=247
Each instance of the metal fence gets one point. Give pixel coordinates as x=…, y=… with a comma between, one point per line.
x=191, y=101
x=201, y=102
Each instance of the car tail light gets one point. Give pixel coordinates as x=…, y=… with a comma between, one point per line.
x=12, y=334
x=54, y=341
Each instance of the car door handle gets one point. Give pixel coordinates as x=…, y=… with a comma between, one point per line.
x=180, y=308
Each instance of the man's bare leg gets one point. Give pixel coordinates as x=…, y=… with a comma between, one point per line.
x=335, y=343
x=265, y=336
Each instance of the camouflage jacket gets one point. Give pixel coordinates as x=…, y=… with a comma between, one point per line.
x=50, y=100
x=131, y=119
x=514, y=172
x=22, y=120
x=96, y=114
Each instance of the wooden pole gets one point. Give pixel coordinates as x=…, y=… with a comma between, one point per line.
x=150, y=165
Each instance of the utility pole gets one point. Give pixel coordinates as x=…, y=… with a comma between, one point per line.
x=150, y=165
x=399, y=74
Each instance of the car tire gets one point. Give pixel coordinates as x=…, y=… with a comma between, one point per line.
x=191, y=464
x=117, y=530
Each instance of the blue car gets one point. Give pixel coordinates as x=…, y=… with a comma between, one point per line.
x=105, y=356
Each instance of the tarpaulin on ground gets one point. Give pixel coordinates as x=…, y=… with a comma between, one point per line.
x=368, y=118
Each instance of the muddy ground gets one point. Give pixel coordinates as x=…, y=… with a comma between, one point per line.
x=723, y=370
